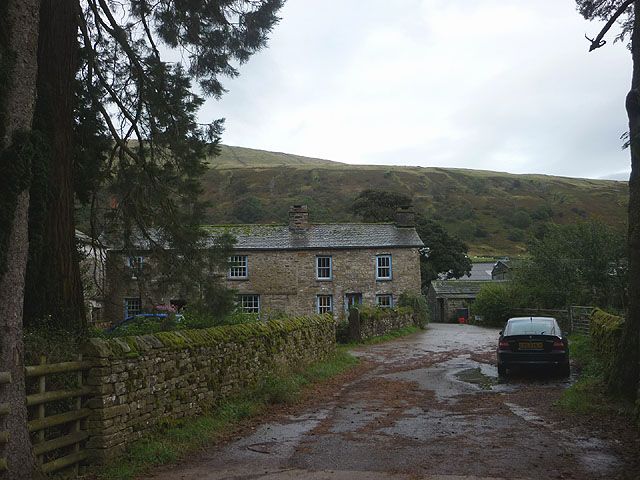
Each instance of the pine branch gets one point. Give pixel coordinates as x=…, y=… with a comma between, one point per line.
x=599, y=41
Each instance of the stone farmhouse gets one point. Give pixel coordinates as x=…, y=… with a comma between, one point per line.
x=299, y=268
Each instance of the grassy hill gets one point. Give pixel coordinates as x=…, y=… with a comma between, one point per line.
x=493, y=212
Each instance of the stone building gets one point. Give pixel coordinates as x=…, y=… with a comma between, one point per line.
x=450, y=300
x=300, y=268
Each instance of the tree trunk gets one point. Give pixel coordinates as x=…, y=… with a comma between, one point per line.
x=54, y=285
x=22, y=21
x=626, y=378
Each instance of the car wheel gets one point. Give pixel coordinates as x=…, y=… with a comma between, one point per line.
x=502, y=370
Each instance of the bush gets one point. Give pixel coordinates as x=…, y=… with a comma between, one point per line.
x=494, y=303
x=419, y=305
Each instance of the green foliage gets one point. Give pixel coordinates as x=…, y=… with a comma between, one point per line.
x=494, y=303
x=418, y=303
x=184, y=437
x=379, y=205
x=579, y=264
x=249, y=210
x=16, y=172
x=443, y=255
x=520, y=219
x=588, y=394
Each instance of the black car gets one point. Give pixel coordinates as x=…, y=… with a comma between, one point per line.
x=533, y=341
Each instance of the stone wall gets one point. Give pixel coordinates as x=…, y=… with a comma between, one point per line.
x=143, y=381
x=369, y=322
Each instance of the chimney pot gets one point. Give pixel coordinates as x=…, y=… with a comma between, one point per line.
x=298, y=218
x=405, y=217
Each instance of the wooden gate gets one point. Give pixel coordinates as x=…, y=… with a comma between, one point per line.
x=580, y=319
x=58, y=438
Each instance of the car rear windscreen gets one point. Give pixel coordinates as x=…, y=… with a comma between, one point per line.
x=531, y=327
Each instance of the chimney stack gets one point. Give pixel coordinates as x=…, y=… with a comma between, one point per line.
x=298, y=218
x=405, y=217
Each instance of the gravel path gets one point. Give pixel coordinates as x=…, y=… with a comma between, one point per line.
x=427, y=406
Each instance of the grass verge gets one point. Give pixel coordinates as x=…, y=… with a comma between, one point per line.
x=174, y=441
x=588, y=395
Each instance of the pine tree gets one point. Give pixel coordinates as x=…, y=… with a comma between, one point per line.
x=136, y=144
x=19, y=150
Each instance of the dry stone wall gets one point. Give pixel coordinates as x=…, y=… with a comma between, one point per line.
x=368, y=323
x=144, y=381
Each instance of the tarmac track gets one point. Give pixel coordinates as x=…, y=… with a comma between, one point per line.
x=428, y=406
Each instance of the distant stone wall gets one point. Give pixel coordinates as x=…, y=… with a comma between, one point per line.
x=143, y=381
x=373, y=322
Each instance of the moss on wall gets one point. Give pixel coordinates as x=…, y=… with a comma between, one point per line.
x=605, y=330
x=142, y=381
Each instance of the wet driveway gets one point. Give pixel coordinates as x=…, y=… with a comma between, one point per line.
x=426, y=406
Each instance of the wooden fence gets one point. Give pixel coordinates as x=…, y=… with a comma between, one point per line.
x=58, y=438
x=5, y=377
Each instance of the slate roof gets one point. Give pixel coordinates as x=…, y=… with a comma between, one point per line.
x=448, y=288
x=320, y=236
x=480, y=271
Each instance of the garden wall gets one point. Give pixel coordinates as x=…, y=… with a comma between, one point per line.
x=366, y=323
x=605, y=331
x=144, y=381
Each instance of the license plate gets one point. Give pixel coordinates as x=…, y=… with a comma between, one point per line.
x=530, y=346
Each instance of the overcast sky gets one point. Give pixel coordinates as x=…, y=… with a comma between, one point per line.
x=503, y=85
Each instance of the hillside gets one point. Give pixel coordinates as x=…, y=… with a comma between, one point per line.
x=493, y=212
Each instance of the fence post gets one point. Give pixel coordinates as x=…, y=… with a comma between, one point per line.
x=77, y=426
x=355, y=333
x=42, y=388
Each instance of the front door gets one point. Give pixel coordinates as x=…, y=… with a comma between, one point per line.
x=352, y=299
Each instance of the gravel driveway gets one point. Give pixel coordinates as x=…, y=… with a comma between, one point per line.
x=426, y=406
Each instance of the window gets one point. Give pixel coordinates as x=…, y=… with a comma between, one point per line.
x=383, y=267
x=384, y=300
x=325, y=304
x=238, y=266
x=135, y=265
x=248, y=303
x=132, y=307
x=323, y=268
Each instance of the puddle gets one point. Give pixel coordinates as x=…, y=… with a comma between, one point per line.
x=476, y=377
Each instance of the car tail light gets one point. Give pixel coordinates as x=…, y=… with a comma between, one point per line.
x=504, y=345
x=558, y=345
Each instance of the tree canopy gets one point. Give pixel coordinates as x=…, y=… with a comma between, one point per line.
x=124, y=82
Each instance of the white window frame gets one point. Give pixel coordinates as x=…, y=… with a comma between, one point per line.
x=324, y=304
x=380, y=296
x=128, y=311
x=238, y=267
x=248, y=303
x=379, y=267
x=324, y=267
